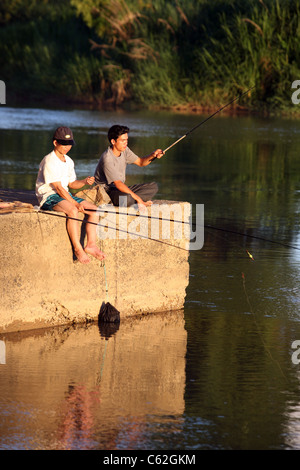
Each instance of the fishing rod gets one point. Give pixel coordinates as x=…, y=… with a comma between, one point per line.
x=112, y=228
x=205, y=120
x=252, y=236
x=234, y=232
x=166, y=243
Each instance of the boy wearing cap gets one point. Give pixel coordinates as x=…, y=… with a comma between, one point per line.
x=111, y=170
x=56, y=175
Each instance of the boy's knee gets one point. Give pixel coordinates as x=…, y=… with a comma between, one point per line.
x=73, y=212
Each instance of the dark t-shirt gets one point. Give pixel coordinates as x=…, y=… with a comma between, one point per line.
x=111, y=168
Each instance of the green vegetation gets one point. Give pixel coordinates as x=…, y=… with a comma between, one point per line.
x=164, y=53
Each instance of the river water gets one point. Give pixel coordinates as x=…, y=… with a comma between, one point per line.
x=223, y=373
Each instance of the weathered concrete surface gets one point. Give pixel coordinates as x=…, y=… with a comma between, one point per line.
x=41, y=285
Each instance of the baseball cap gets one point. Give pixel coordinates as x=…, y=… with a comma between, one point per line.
x=64, y=136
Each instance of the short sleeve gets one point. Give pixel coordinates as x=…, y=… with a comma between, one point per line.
x=130, y=156
x=71, y=171
x=51, y=170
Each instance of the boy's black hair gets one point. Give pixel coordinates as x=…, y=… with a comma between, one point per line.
x=115, y=132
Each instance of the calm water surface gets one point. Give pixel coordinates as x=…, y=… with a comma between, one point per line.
x=217, y=375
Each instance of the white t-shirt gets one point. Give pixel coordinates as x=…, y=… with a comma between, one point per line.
x=53, y=169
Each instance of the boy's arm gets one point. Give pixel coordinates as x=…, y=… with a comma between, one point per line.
x=124, y=189
x=57, y=186
x=77, y=184
x=144, y=161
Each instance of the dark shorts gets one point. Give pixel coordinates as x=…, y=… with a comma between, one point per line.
x=54, y=199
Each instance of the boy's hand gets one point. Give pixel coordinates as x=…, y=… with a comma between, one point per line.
x=158, y=153
x=80, y=206
x=90, y=180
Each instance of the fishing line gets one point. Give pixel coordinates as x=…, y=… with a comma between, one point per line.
x=106, y=284
x=234, y=232
x=258, y=328
x=252, y=236
x=170, y=220
x=113, y=228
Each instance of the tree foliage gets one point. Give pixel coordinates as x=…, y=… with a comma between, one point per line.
x=163, y=53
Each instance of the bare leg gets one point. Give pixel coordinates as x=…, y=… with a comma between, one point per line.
x=91, y=246
x=73, y=229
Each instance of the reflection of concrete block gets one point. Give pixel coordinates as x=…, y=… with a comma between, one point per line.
x=74, y=383
x=2, y=353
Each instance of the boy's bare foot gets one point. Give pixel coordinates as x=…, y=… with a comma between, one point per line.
x=94, y=251
x=81, y=256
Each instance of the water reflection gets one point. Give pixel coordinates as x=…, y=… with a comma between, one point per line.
x=214, y=381
x=240, y=370
x=82, y=388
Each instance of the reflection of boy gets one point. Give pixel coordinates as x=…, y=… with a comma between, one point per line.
x=111, y=170
x=56, y=175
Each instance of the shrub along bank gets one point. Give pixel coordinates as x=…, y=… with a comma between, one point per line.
x=179, y=53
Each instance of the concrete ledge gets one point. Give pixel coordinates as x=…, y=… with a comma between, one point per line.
x=43, y=286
